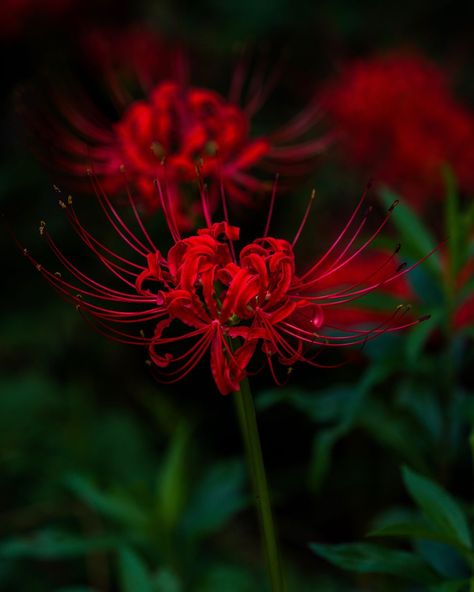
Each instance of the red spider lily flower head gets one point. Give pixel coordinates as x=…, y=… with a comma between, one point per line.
x=174, y=129
x=400, y=121
x=205, y=295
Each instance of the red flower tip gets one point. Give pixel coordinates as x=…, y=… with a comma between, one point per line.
x=204, y=297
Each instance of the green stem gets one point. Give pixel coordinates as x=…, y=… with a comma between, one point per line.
x=249, y=428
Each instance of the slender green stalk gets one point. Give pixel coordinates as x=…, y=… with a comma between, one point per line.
x=249, y=428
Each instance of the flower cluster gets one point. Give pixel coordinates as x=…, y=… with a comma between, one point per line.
x=400, y=122
x=206, y=296
x=174, y=130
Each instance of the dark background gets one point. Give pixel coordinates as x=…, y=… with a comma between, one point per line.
x=111, y=481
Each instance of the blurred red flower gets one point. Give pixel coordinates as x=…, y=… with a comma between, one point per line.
x=400, y=122
x=176, y=129
x=204, y=296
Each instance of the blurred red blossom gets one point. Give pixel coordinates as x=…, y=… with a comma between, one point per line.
x=176, y=129
x=206, y=295
x=400, y=122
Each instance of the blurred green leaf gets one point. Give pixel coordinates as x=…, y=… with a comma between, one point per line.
x=444, y=559
x=412, y=531
x=416, y=398
x=456, y=586
x=113, y=505
x=366, y=558
x=166, y=581
x=453, y=224
x=218, y=497
x=345, y=415
x=133, y=573
x=53, y=544
x=438, y=506
x=75, y=589
x=393, y=431
x=321, y=406
x=229, y=579
x=416, y=239
x=173, y=479
x=418, y=335
x=321, y=455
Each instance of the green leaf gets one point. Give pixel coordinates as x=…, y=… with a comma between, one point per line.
x=366, y=558
x=418, y=335
x=438, y=506
x=416, y=239
x=453, y=223
x=346, y=415
x=53, y=544
x=393, y=431
x=75, y=589
x=172, y=484
x=133, y=573
x=223, y=578
x=166, y=581
x=112, y=505
x=321, y=456
x=445, y=560
x=455, y=586
x=413, y=531
x=218, y=497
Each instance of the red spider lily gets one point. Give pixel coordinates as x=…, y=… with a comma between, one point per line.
x=401, y=122
x=205, y=295
x=175, y=129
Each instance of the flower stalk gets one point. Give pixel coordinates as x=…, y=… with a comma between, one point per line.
x=248, y=425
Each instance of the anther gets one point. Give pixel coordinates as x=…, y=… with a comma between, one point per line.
x=148, y=362
x=58, y=274
x=39, y=267
x=42, y=226
x=25, y=251
x=397, y=248
x=69, y=200
x=56, y=188
x=424, y=318
x=142, y=333
x=394, y=205
x=401, y=267
x=62, y=204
